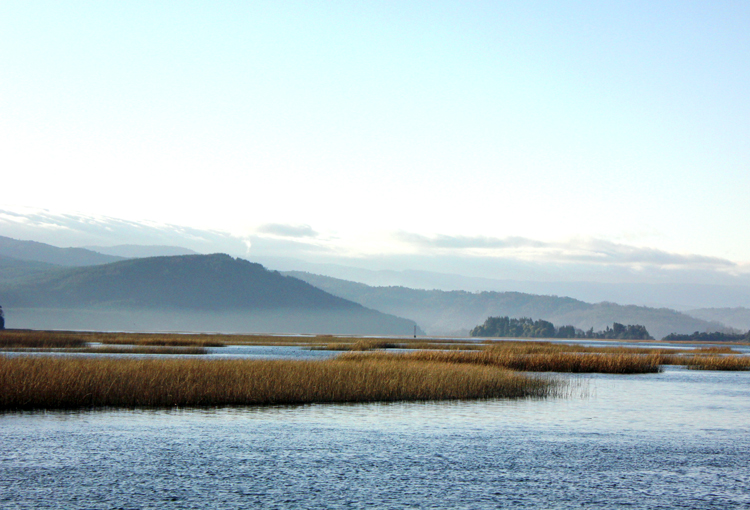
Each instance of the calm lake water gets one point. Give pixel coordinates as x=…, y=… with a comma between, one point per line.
x=679, y=439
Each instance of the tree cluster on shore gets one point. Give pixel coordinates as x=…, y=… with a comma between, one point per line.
x=525, y=327
x=714, y=336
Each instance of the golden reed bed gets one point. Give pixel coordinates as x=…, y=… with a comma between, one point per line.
x=28, y=383
x=535, y=362
x=709, y=362
x=28, y=339
x=444, y=370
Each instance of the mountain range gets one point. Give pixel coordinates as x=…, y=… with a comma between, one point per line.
x=610, y=272
x=75, y=288
x=187, y=293
x=33, y=251
x=456, y=312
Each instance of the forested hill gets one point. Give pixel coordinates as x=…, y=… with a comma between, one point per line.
x=457, y=312
x=197, y=282
x=187, y=293
x=15, y=271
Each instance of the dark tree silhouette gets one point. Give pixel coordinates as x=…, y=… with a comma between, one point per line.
x=528, y=328
x=2, y=318
x=715, y=336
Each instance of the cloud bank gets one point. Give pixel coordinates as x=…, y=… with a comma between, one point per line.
x=578, y=250
x=291, y=246
x=284, y=230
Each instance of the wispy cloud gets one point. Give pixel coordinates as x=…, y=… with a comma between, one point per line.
x=593, y=250
x=510, y=257
x=285, y=230
x=84, y=230
x=464, y=242
x=579, y=250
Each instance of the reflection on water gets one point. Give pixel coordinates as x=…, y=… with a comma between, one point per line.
x=679, y=439
x=268, y=352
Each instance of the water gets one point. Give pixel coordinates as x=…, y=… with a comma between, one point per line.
x=227, y=352
x=679, y=439
x=305, y=353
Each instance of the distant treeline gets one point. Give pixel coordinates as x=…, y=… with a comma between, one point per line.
x=710, y=337
x=529, y=328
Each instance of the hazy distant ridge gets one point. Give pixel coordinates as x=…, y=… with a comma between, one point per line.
x=41, y=252
x=197, y=282
x=191, y=292
x=141, y=250
x=449, y=312
x=738, y=318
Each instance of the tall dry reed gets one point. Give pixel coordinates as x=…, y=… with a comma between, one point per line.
x=708, y=362
x=142, y=349
x=159, y=339
x=549, y=347
x=20, y=338
x=72, y=383
x=536, y=362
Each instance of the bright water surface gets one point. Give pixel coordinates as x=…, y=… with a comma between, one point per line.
x=679, y=439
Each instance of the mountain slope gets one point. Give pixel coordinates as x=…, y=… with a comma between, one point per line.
x=16, y=271
x=197, y=282
x=208, y=286
x=133, y=251
x=450, y=312
x=738, y=318
x=683, y=294
x=41, y=252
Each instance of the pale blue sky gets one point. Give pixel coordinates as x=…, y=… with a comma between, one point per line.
x=375, y=123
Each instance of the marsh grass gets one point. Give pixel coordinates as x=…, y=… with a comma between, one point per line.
x=539, y=356
x=384, y=344
x=28, y=383
x=549, y=347
x=10, y=339
x=59, y=339
x=142, y=349
x=151, y=339
x=534, y=362
x=710, y=362
x=359, y=345
x=714, y=350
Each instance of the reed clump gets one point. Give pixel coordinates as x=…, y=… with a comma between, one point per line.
x=709, y=362
x=440, y=346
x=28, y=383
x=715, y=350
x=19, y=339
x=549, y=347
x=360, y=345
x=372, y=344
x=142, y=349
x=537, y=362
x=167, y=340
x=57, y=339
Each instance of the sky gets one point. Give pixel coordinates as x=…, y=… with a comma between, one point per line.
x=604, y=132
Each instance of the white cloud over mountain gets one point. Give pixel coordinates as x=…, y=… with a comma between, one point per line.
x=515, y=258
x=578, y=250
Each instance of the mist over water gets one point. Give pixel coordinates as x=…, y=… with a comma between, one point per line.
x=678, y=439
x=280, y=321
